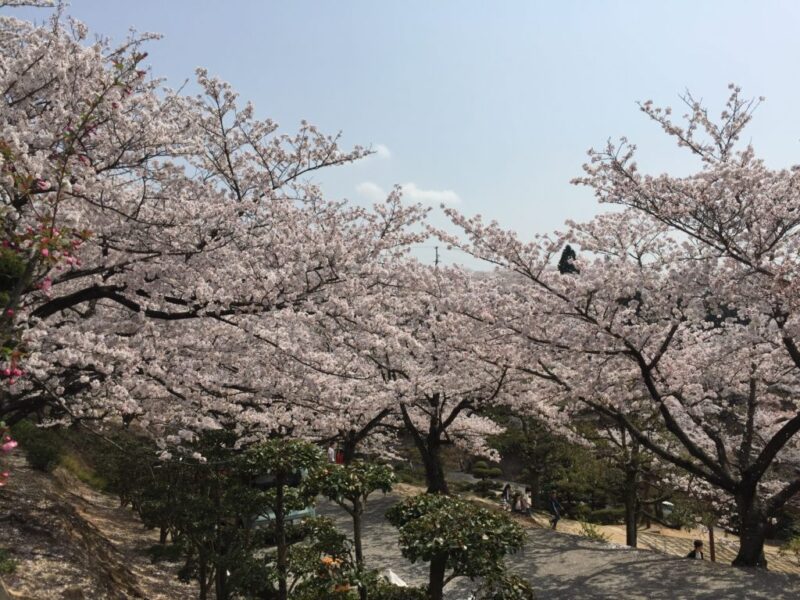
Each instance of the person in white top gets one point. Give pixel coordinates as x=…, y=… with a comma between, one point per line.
x=331, y=454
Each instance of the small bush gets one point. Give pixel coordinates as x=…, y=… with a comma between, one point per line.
x=42, y=447
x=582, y=512
x=166, y=552
x=8, y=564
x=78, y=467
x=591, y=531
x=791, y=548
x=479, y=465
x=606, y=516
x=410, y=477
x=485, y=488
x=482, y=470
x=387, y=591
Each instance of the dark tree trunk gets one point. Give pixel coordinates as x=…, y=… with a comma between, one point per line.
x=349, y=451
x=434, y=470
x=631, y=505
x=429, y=447
x=752, y=532
x=358, y=513
x=203, y=577
x=436, y=580
x=221, y=584
x=280, y=538
x=535, y=483
x=712, y=550
x=162, y=535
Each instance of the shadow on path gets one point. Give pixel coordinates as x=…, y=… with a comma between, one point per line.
x=567, y=567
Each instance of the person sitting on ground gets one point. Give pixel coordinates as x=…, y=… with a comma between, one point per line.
x=697, y=553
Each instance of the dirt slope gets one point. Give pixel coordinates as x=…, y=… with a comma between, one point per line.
x=71, y=542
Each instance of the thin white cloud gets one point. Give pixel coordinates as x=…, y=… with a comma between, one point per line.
x=371, y=191
x=417, y=194
x=411, y=190
x=382, y=151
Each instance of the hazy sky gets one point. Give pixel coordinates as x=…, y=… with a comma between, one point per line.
x=487, y=105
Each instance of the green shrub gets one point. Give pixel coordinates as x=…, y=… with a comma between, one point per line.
x=387, y=591
x=42, y=447
x=582, y=512
x=791, y=548
x=479, y=464
x=606, y=516
x=165, y=552
x=8, y=564
x=410, y=477
x=482, y=470
x=485, y=488
x=591, y=531
x=73, y=463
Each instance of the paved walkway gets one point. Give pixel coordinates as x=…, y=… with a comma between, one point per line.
x=574, y=568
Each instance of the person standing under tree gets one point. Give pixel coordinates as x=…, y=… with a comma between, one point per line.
x=505, y=498
x=555, y=508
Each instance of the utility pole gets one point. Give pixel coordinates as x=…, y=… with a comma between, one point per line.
x=436, y=260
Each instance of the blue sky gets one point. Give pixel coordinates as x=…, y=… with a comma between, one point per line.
x=490, y=105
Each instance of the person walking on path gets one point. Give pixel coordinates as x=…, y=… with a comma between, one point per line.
x=555, y=508
x=697, y=553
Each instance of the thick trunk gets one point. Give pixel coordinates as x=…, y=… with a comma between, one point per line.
x=349, y=450
x=752, y=532
x=280, y=539
x=535, y=481
x=712, y=550
x=221, y=584
x=631, y=506
x=203, y=577
x=429, y=448
x=436, y=580
x=358, y=513
x=434, y=471
x=358, y=517
x=162, y=535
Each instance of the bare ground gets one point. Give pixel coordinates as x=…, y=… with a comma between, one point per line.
x=71, y=542
x=563, y=566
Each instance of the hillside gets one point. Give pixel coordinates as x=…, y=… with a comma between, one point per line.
x=71, y=542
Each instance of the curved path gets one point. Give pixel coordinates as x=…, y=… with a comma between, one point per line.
x=573, y=568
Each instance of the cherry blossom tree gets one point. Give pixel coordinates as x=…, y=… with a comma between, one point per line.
x=684, y=303
x=426, y=371
x=147, y=231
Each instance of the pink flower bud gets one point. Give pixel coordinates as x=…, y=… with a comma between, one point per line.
x=9, y=446
x=45, y=252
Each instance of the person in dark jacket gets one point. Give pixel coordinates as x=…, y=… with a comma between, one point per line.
x=697, y=553
x=556, y=509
